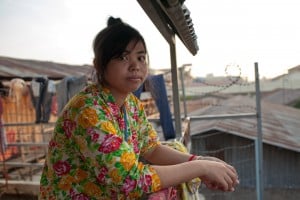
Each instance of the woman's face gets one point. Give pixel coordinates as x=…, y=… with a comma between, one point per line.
x=126, y=73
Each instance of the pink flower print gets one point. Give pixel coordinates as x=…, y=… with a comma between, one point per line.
x=172, y=193
x=133, y=110
x=94, y=135
x=72, y=192
x=115, y=108
x=75, y=196
x=121, y=123
x=146, y=182
x=61, y=167
x=90, y=131
x=101, y=175
x=52, y=144
x=80, y=197
x=65, y=114
x=68, y=127
x=128, y=185
x=135, y=115
x=113, y=195
x=135, y=141
x=108, y=116
x=95, y=102
x=111, y=143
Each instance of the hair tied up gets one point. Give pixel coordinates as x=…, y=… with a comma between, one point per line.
x=113, y=21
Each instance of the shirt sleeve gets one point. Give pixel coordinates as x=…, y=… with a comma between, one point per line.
x=147, y=134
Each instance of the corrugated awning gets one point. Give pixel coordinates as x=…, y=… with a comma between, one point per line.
x=27, y=69
x=172, y=17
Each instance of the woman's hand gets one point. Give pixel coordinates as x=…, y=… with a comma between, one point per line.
x=219, y=175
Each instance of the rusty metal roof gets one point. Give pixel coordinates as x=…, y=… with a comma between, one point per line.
x=280, y=124
x=172, y=17
x=283, y=96
x=21, y=68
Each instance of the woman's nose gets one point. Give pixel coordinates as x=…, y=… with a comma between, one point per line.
x=134, y=65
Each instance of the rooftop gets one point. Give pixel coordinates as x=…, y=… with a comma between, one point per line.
x=280, y=124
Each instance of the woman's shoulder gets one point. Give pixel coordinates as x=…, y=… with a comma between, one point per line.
x=133, y=99
x=91, y=88
x=83, y=97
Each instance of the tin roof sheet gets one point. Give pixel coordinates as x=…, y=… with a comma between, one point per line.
x=280, y=124
x=13, y=67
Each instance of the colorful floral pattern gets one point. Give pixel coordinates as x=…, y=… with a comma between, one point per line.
x=88, y=156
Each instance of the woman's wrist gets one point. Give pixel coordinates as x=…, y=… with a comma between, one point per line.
x=192, y=157
x=195, y=157
x=200, y=157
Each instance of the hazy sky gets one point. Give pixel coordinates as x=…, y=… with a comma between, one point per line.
x=238, y=32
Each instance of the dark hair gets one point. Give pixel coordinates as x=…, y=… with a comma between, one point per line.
x=111, y=42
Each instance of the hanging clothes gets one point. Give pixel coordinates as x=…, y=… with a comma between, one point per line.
x=67, y=88
x=42, y=92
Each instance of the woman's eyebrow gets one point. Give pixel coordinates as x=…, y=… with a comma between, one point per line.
x=141, y=52
x=126, y=51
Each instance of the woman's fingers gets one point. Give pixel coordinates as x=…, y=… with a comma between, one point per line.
x=231, y=178
x=230, y=183
x=224, y=177
x=211, y=186
x=233, y=175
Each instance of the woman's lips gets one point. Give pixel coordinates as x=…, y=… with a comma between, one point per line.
x=135, y=78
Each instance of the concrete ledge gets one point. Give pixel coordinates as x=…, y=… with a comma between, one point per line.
x=20, y=187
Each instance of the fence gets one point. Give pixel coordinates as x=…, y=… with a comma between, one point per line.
x=23, y=144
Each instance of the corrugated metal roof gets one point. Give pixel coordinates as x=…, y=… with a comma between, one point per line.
x=172, y=17
x=280, y=124
x=283, y=96
x=13, y=67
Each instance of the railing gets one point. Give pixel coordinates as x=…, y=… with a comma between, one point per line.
x=22, y=158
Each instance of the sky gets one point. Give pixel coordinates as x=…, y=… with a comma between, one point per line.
x=230, y=33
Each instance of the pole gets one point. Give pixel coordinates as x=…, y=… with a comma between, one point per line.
x=182, y=68
x=175, y=89
x=259, y=142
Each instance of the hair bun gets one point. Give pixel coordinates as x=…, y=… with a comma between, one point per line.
x=113, y=21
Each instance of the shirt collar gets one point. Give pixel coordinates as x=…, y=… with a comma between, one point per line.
x=107, y=95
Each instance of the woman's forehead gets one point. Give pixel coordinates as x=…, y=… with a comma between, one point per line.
x=136, y=45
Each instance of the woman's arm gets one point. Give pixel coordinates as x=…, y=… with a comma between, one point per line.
x=165, y=155
x=173, y=166
x=215, y=173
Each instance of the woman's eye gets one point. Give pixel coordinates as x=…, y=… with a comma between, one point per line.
x=123, y=57
x=142, y=59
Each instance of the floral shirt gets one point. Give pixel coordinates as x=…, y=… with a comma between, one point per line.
x=89, y=156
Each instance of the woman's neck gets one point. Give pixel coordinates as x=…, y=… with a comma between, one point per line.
x=119, y=98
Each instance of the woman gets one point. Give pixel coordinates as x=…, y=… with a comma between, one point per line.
x=103, y=132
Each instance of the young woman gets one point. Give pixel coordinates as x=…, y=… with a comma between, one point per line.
x=103, y=132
